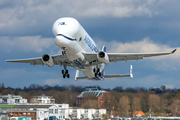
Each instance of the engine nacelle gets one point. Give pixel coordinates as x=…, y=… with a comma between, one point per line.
x=47, y=60
x=103, y=57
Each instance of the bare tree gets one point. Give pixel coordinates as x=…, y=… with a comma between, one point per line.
x=106, y=100
x=175, y=107
x=124, y=105
x=154, y=102
x=136, y=104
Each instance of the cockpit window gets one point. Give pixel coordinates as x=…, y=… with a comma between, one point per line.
x=66, y=37
x=80, y=39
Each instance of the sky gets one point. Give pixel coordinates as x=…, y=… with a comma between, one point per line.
x=122, y=25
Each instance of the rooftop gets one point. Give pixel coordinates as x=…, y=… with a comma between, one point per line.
x=91, y=92
x=11, y=96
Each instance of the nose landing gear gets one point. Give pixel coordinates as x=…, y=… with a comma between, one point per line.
x=63, y=52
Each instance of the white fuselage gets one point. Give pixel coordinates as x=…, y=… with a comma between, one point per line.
x=71, y=37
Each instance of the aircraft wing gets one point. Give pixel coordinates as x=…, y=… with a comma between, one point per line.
x=57, y=59
x=114, y=57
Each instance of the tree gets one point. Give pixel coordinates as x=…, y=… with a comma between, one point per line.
x=154, y=102
x=136, y=104
x=175, y=107
x=144, y=102
x=106, y=100
x=124, y=105
x=2, y=87
x=16, y=92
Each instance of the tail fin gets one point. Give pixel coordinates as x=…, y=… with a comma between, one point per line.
x=77, y=75
x=131, y=74
x=104, y=48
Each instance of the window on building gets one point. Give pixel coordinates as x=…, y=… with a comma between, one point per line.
x=86, y=111
x=28, y=113
x=56, y=111
x=20, y=113
x=32, y=113
x=16, y=113
x=24, y=113
x=16, y=100
x=50, y=110
x=62, y=111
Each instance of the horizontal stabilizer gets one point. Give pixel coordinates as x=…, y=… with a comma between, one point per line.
x=113, y=76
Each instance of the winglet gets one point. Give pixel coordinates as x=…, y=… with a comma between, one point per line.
x=131, y=74
x=174, y=51
x=77, y=75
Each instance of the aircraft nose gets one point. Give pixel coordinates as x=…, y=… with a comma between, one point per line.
x=62, y=40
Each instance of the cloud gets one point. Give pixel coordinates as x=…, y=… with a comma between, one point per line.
x=26, y=43
x=18, y=15
x=169, y=86
x=36, y=17
x=52, y=81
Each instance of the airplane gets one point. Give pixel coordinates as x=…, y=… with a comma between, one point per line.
x=81, y=52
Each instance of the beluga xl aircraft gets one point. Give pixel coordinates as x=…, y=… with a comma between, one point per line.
x=81, y=52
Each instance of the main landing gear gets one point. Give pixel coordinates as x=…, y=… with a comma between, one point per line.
x=63, y=52
x=96, y=72
x=65, y=74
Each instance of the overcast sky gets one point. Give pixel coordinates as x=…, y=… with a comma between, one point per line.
x=121, y=25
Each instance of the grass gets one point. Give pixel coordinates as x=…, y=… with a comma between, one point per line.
x=6, y=106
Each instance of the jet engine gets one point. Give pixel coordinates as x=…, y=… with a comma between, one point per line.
x=47, y=60
x=103, y=57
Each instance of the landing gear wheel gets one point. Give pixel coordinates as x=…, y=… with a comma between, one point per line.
x=64, y=75
x=94, y=70
x=95, y=74
x=68, y=75
x=62, y=71
x=66, y=72
x=97, y=70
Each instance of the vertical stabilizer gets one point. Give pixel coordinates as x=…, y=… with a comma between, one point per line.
x=131, y=74
x=77, y=75
x=104, y=48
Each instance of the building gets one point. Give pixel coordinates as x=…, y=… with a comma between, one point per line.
x=89, y=92
x=86, y=113
x=12, y=99
x=44, y=111
x=43, y=99
x=31, y=114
